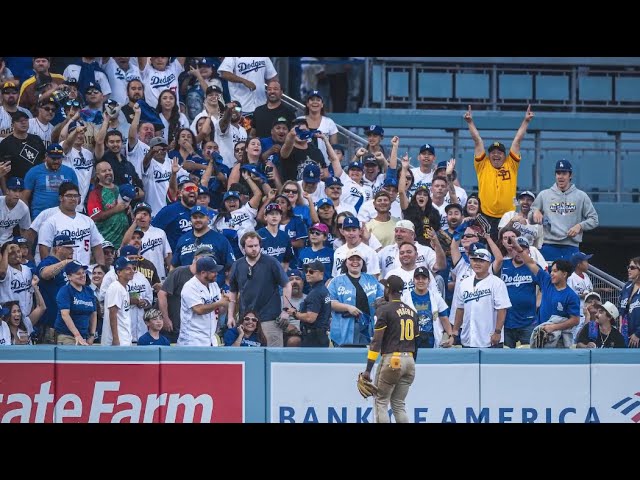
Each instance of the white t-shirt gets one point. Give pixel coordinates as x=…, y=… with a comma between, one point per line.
x=438, y=305
x=389, y=258
x=255, y=69
x=481, y=303
x=155, y=182
x=315, y=196
x=18, y=215
x=532, y=232
x=328, y=127
x=227, y=141
x=353, y=194
x=444, y=225
x=376, y=184
x=242, y=220
x=73, y=71
x=81, y=162
x=156, y=81
x=198, y=330
x=139, y=285
x=419, y=179
x=580, y=286
x=136, y=156
x=37, y=222
x=5, y=334
x=155, y=247
x=81, y=229
x=118, y=296
x=461, y=193
x=368, y=212
x=16, y=285
x=41, y=130
x=183, y=122
x=118, y=78
x=369, y=254
x=462, y=270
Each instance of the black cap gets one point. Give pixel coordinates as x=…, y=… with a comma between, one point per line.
x=452, y=205
x=18, y=115
x=315, y=265
x=394, y=283
x=499, y=146
x=421, y=271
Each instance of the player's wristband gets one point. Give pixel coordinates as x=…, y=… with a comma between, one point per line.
x=371, y=355
x=497, y=331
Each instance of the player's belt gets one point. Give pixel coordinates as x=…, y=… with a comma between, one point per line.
x=399, y=354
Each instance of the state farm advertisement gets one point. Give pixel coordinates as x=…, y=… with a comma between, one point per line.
x=104, y=392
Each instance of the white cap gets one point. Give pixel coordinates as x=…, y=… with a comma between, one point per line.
x=408, y=224
x=611, y=309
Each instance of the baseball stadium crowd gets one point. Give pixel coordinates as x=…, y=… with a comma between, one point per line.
x=159, y=201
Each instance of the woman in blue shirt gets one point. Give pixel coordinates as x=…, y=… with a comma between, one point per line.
x=629, y=303
x=247, y=333
x=77, y=308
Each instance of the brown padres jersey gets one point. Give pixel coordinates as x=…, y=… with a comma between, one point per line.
x=400, y=324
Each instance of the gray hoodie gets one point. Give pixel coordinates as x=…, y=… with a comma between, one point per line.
x=563, y=210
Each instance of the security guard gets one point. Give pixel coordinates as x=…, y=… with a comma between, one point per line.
x=395, y=331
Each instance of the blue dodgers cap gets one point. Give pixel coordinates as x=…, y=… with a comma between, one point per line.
x=4, y=311
x=128, y=250
x=374, y=129
x=322, y=202
x=331, y=181
x=295, y=272
x=121, y=263
x=314, y=93
x=199, y=209
x=63, y=241
x=15, y=183
x=182, y=179
x=357, y=165
x=20, y=240
x=480, y=254
x=350, y=222
x=311, y=173
x=203, y=190
x=273, y=207
x=92, y=86
x=442, y=164
x=55, y=150
x=127, y=192
x=207, y=264
x=142, y=206
x=73, y=267
x=563, y=166
x=369, y=158
x=390, y=182
x=252, y=169
x=523, y=242
x=499, y=146
x=576, y=258
x=231, y=194
x=427, y=148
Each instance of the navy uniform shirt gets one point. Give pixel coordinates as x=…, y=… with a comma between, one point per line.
x=318, y=301
x=175, y=220
x=81, y=305
x=189, y=243
x=49, y=289
x=278, y=247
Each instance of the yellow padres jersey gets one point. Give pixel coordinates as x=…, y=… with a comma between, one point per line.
x=497, y=187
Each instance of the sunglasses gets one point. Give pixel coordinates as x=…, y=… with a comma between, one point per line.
x=48, y=109
x=73, y=103
x=315, y=232
x=190, y=188
x=287, y=190
x=91, y=92
x=469, y=235
x=250, y=319
x=632, y=267
x=311, y=271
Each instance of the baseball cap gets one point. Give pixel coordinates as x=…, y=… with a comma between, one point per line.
x=55, y=150
x=369, y=158
x=280, y=120
x=203, y=250
x=231, y=194
x=576, y=258
x=142, y=206
x=299, y=120
x=374, y=129
x=313, y=93
x=6, y=86
x=499, y=146
x=121, y=263
x=390, y=182
x=421, y=271
x=394, y=283
x=351, y=222
x=128, y=250
x=593, y=294
x=139, y=231
x=408, y=224
x=322, y=202
x=356, y=164
x=295, y=272
x=481, y=254
x=63, y=241
x=354, y=252
x=523, y=242
x=311, y=173
x=238, y=104
x=20, y=240
x=73, y=267
x=427, y=148
x=107, y=244
x=92, y=86
x=18, y=115
x=155, y=141
x=610, y=308
x=452, y=205
x=273, y=207
x=207, y=264
x=127, y=192
x=563, y=166
x=4, y=311
x=320, y=227
x=252, y=169
x=213, y=89
x=331, y=181
x=442, y=164
x=182, y=179
x=198, y=209
x=315, y=265
x=527, y=193
x=203, y=190
x=203, y=62
x=15, y=183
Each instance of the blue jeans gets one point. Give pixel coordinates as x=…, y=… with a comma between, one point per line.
x=552, y=252
x=512, y=335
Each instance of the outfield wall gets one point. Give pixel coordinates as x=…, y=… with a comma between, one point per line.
x=286, y=385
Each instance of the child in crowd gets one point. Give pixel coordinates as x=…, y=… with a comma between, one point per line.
x=153, y=320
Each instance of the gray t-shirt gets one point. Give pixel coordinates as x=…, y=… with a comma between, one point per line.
x=173, y=286
x=260, y=293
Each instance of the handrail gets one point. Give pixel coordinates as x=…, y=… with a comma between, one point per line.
x=606, y=277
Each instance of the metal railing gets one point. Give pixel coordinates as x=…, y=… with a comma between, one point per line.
x=607, y=286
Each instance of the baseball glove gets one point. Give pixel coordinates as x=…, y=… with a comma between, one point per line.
x=365, y=387
x=483, y=223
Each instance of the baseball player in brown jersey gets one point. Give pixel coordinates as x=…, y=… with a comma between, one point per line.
x=394, y=335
